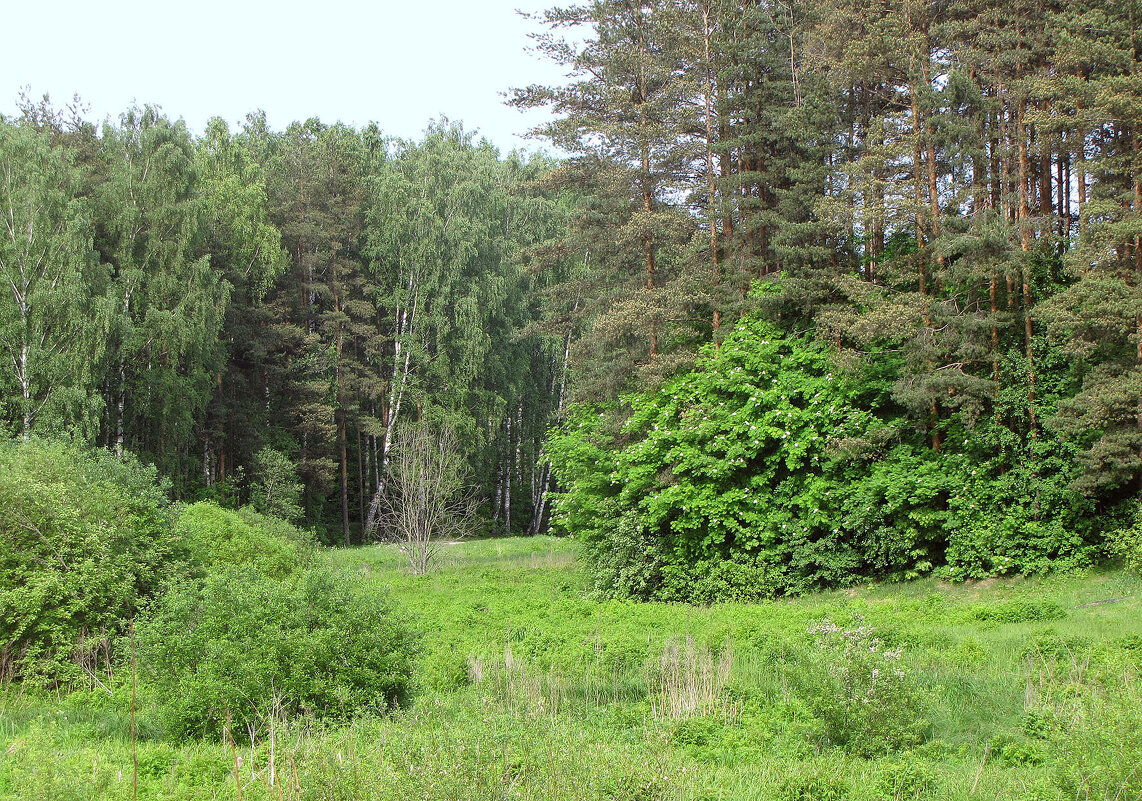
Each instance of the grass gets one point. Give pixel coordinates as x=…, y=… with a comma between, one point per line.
x=1025, y=688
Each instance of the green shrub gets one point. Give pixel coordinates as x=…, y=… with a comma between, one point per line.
x=908, y=778
x=1100, y=753
x=219, y=538
x=869, y=701
x=813, y=784
x=84, y=538
x=742, y=579
x=243, y=645
x=1127, y=543
x=726, y=463
x=774, y=467
x=1018, y=509
x=1011, y=750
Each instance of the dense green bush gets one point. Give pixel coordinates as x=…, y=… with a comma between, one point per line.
x=1127, y=543
x=84, y=538
x=1017, y=611
x=218, y=538
x=1020, y=518
x=729, y=462
x=243, y=645
x=768, y=470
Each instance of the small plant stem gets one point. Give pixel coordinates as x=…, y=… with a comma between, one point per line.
x=978, y=773
x=234, y=750
x=134, y=731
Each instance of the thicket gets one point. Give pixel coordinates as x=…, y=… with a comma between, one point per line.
x=774, y=468
x=243, y=649
x=941, y=203
x=227, y=616
x=220, y=539
x=84, y=542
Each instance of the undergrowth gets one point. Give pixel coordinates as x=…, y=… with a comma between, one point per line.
x=527, y=689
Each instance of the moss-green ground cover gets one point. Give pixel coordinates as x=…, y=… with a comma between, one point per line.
x=1010, y=689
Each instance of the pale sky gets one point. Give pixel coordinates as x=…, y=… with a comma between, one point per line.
x=398, y=63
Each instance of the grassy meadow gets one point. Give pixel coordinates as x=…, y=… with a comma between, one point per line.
x=529, y=689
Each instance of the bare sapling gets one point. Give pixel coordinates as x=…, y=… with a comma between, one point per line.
x=426, y=501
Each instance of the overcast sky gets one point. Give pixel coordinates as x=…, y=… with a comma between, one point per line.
x=400, y=64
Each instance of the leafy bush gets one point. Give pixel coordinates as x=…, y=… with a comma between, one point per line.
x=813, y=785
x=218, y=538
x=894, y=509
x=767, y=470
x=243, y=645
x=726, y=463
x=1017, y=519
x=740, y=579
x=84, y=538
x=907, y=778
x=1127, y=542
x=868, y=700
x=1019, y=508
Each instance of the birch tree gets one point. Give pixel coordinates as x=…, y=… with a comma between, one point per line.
x=53, y=318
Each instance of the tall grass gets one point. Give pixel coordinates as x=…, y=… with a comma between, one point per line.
x=691, y=680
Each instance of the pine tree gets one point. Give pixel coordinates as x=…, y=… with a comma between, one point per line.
x=620, y=119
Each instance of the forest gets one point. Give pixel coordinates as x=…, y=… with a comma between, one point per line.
x=937, y=209
x=801, y=299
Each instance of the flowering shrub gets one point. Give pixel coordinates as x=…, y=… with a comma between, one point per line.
x=869, y=701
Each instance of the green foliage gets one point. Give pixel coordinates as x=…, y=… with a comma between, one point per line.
x=728, y=461
x=895, y=508
x=256, y=629
x=53, y=310
x=813, y=786
x=768, y=470
x=1037, y=715
x=1017, y=508
x=243, y=646
x=219, y=539
x=1023, y=611
x=1127, y=542
x=276, y=491
x=908, y=778
x=84, y=540
x=164, y=351
x=1017, y=522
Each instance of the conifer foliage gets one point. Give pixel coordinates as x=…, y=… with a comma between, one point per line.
x=942, y=198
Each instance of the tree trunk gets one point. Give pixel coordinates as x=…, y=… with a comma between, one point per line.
x=342, y=441
x=1025, y=266
x=508, y=482
x=711, y=183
